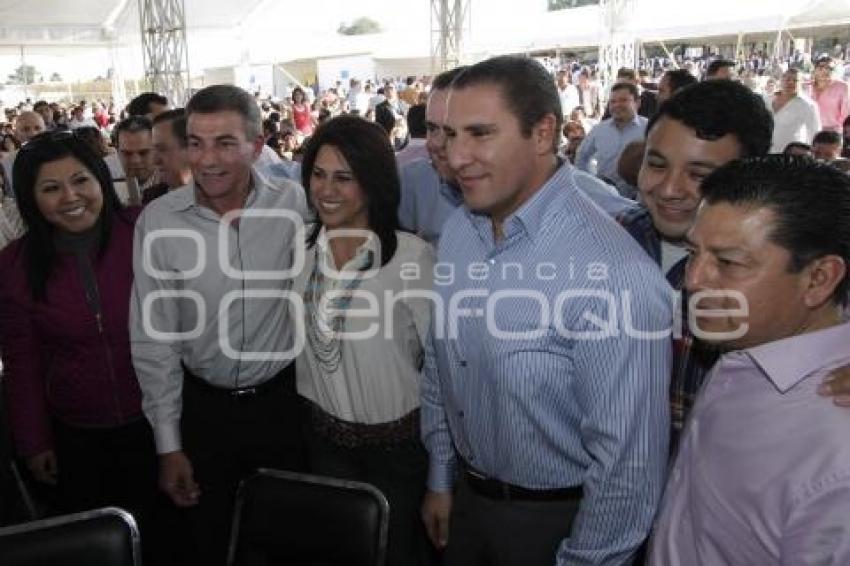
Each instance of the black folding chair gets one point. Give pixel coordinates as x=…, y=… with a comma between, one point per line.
x=102, y=537
x=287, y=518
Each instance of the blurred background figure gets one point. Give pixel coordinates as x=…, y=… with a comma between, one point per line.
x=826, y=145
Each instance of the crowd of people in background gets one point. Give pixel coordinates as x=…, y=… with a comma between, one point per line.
x=813, y=88
x=543, y=447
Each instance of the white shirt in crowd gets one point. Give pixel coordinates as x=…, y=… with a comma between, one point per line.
x=376, y=379
x=797, y=121
x=569, y=99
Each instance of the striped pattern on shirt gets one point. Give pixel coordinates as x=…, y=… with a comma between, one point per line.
x=553, y=408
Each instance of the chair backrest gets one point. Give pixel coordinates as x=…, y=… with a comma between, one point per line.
x=291, y=518
x=102, y=537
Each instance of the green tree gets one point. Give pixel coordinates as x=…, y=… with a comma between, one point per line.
x=360, y=26
x=561, y=4
x=24, y=74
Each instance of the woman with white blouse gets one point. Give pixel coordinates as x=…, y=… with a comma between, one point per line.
x=359, y=370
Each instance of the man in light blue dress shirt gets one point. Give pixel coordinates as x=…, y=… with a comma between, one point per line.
x=544, y=393
x=429, y=193
x=606, y=141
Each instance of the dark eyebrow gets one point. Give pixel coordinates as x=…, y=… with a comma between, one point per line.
x=346, y=171
x=217, y=138
x=706, y=164
x=695, y=163
x=480, y=128
x=727, y=250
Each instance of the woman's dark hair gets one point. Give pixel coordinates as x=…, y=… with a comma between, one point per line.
x=38, y=244
x=679, y=79
x=269, y=127
x=92, y=136
x=385, y=117
x=366, y=148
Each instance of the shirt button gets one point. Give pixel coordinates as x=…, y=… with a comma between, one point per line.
x=463, y=363
x=460, y=414
x=470, y=458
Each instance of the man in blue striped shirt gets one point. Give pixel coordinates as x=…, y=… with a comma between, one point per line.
x=607, y=139
x=544, y=394
x=429, y=193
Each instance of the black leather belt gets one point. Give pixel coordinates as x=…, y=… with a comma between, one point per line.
x=500, y=491
x=270, y=385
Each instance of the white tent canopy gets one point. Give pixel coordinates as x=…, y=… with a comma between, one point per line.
x=816, y=13
x=662, y=19
x=87, y=37
x=53, y=23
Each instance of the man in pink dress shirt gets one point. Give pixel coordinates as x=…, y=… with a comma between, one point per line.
x=831, y=95
x=763, y=470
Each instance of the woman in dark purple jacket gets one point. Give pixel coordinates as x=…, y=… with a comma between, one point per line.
x=72, y=396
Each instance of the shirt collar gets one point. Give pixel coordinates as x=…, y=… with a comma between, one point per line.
x=370, y=248
x=452, y=193
x=635, y=121
x=186, y=199
x=788, y=361
x=531, y=216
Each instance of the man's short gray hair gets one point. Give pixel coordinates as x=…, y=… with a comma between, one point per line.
x=222, y=98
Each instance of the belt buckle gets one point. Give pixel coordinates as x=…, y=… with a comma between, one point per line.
x=477, y=475
x=243, y=392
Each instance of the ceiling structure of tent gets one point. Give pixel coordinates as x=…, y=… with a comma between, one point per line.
x=108, y=34
x=99, y=23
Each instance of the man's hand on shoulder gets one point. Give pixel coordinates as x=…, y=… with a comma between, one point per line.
x=837, y=386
